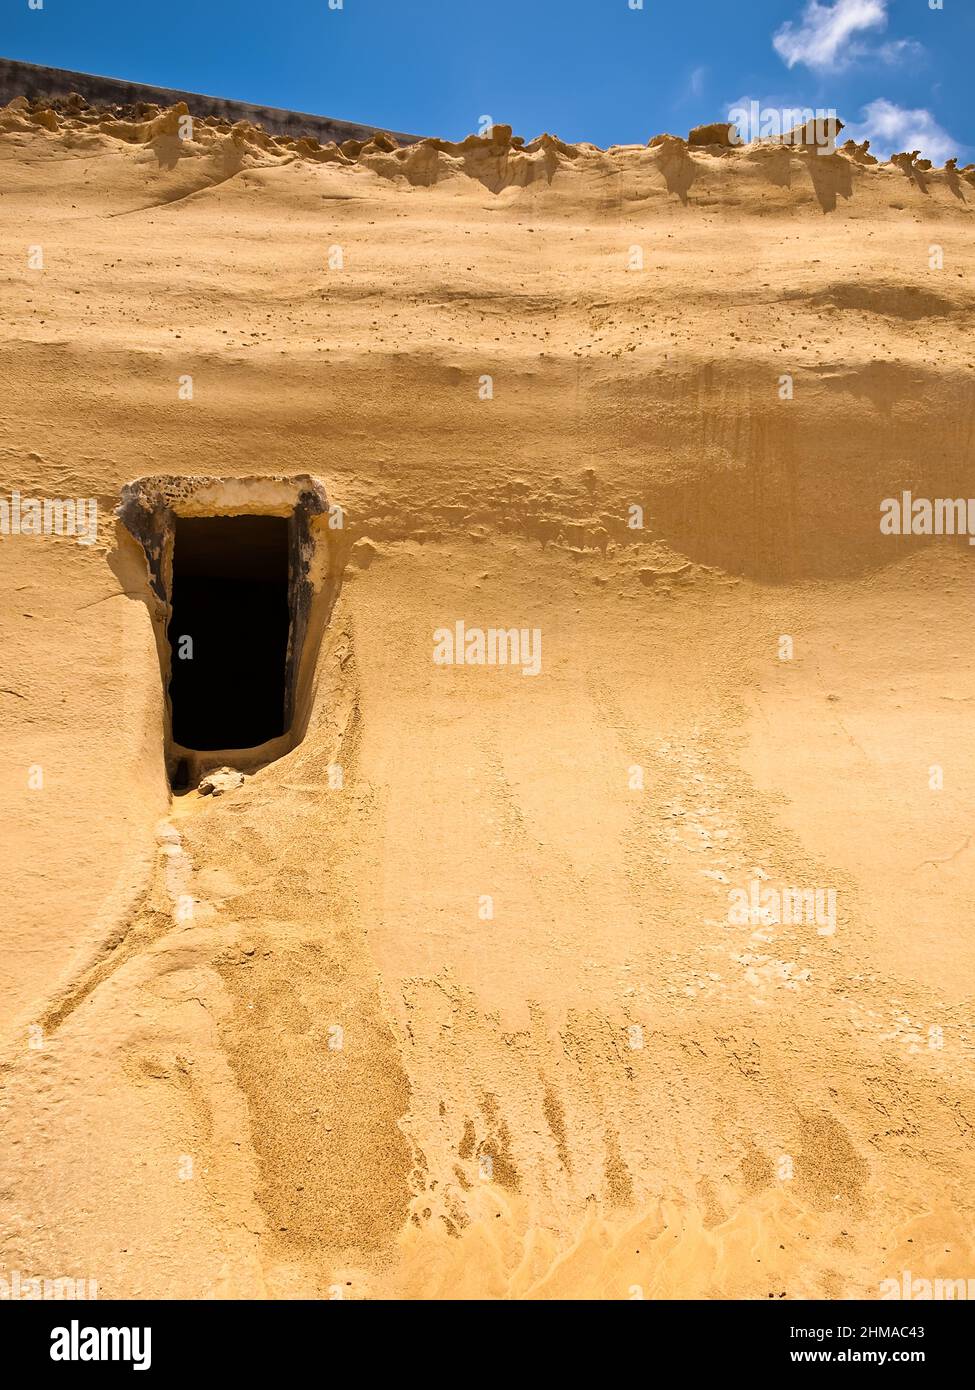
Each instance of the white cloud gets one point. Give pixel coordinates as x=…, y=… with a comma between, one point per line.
x=825, y=37
x=696, y=81
x=898, y=50
x=891, y=128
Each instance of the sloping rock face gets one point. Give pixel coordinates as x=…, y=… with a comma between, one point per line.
x=601, y=930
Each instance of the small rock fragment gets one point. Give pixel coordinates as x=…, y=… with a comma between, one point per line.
x=220, y=780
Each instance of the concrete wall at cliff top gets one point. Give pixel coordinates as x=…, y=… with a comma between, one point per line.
x=28, y=79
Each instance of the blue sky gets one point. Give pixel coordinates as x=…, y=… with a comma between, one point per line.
x=897, y=71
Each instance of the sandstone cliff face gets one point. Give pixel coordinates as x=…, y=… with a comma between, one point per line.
x=449, y=999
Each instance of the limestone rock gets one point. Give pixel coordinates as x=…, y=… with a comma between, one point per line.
x=220, y=780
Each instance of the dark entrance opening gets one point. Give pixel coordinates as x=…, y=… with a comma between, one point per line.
x=228, y=633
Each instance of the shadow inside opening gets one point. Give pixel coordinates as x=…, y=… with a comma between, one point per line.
x=228, y=633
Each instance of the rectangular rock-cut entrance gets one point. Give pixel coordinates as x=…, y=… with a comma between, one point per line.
x=228, y=632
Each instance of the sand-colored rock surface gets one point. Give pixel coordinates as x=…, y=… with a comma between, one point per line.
x=336, y=1075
